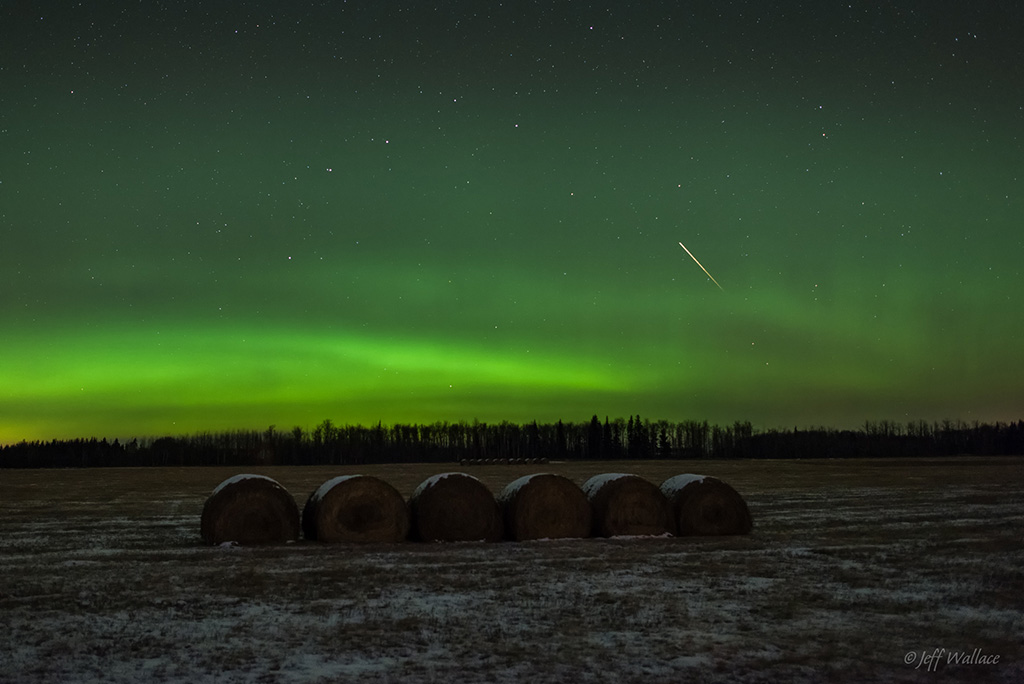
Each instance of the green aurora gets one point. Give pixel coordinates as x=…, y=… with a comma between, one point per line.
x=216, y=219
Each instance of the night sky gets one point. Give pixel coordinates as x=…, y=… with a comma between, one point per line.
x=231, y=215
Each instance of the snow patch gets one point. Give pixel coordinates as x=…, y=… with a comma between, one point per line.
x=434, y=479
x=673, y=485
x=245, y=476
x=514, y=486
x=326, y=487
x=594, y=484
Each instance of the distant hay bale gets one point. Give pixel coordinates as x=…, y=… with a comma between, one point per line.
x=355, y=509
x=454, y=507
x=545, y=506
x=627, y=505
x=249, y=509
x=706, y=506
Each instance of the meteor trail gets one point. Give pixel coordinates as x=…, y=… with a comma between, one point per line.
x=701, y=266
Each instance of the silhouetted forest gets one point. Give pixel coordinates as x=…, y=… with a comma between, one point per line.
x=635, y=438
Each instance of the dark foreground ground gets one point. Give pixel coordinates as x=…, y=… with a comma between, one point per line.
x=857, y=570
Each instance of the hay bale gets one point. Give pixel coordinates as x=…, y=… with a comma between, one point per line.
x=249, y=509
x=356, y=509
x=627, y=505
x=706, y=506
x=544, y=506
x=454, y=507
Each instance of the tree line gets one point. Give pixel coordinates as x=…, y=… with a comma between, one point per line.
x=618, y=439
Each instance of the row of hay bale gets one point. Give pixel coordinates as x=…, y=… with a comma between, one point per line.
x=255, y=509
x=503, y=461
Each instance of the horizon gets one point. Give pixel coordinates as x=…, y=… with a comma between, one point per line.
x=216, y=217
x=307, y=430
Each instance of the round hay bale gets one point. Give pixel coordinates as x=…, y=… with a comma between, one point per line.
x=627, y=505
x=249, y=509
x=357, y=509
x=706, y=506
x=545, y=506
x=454, y=507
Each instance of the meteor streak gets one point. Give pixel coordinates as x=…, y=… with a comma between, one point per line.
x=701, y=266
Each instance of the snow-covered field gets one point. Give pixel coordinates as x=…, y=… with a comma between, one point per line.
x=866, y=571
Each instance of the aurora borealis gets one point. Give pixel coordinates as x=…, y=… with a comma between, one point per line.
x=231, y=215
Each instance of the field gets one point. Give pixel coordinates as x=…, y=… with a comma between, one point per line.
x=857, y=570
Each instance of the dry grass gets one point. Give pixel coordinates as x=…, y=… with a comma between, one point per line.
x=249, y=509
x=851, y=565
x=355, y=509
x=545, y=506
x=705, y=506
x=454, y=507
x=627, y=505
